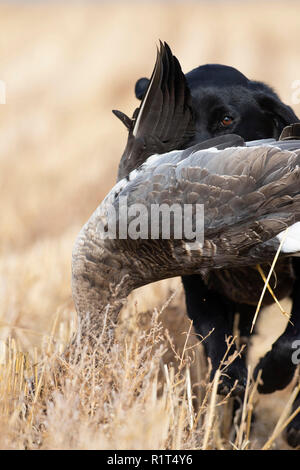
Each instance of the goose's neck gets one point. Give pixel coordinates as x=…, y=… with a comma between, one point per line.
x=101, y=281
x=105, y=271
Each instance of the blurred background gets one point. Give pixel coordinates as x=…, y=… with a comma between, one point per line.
x=66, y=65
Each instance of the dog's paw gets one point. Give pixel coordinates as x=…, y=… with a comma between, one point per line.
x=292, y=433
x=277, y=368
x=293, y=436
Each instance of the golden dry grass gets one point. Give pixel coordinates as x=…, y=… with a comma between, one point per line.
x=65, y=67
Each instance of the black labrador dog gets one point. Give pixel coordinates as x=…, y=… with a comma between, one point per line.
x=226, y=101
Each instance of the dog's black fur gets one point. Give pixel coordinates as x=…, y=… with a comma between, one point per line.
x=219, y=91
x=226, y=101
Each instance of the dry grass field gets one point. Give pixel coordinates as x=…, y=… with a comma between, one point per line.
x=66, y=66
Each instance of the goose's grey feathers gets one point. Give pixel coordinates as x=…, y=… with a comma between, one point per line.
x=164, y=120
x=250, y=195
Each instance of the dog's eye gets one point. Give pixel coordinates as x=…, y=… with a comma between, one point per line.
x=226, y=121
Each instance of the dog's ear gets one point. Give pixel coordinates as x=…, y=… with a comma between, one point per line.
x=282, y=114
x=141, y=87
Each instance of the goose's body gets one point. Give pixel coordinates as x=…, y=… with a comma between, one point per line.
x=251, y=194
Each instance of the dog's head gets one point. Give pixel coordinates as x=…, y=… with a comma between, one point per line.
x=226, y=101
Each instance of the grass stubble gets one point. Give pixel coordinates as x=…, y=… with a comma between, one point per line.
x=125, y=396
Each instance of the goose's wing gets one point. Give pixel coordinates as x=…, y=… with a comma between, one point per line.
x=250, y=196
x=164, y=121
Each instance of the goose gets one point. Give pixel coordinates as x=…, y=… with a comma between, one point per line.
x=250, y=192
